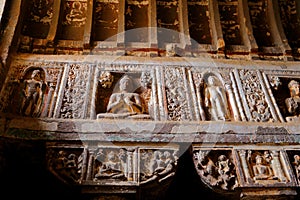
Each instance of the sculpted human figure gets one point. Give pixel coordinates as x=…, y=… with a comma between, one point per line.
x=32, y=92
x=261, y=170
x=124, y=103
x=215, y=100
x=292, y=103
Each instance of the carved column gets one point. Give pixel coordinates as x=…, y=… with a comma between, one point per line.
x=244, y=163
x=232, y=102
x=277, y=167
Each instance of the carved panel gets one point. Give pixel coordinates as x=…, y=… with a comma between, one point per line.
x=168, y=18
x=261, y=29
x=229, y=21
x=157, y=164
x=105, y=19
x=73, y=19
x=136, y=16
x=124, y=95
x=67, y=164
x=31, y=90
x=177, y=99
x=199, y=21
x=216, y=168
x=294, y=161
x=76, y=90
x=38, y=19
x=264, y=167
x=290, y=20
x=112, y=164
x=255, y=97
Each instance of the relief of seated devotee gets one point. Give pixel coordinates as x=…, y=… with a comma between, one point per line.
x=124, y=103
x=262, y=170
x=293, y=102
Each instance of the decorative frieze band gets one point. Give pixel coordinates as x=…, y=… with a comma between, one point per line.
x=147, y=92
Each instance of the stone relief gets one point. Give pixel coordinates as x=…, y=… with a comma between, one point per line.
x=76, y=89
x=293, y=102
x=263, y=167
x=111, y=164
x=296, y=165
x=157, y=164
x=66, y=164
x=106, y=79
x=42, y=11
x=255, y=97
x=75, y=13
x=215, y=100
x=286, y=92
x=216, y=169
x=45, y=93
x=124, y=102
x=33, y=90
x=177, y=102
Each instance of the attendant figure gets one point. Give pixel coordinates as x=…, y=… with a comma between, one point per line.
x=293, y=102
x=32, y=94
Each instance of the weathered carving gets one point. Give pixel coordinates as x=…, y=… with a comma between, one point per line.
x=275, y=82
x=124, y=103
x=259, y=109
x=75, y=13
x=230, y=22
x=176, y=95
x=74, y=98
x=157, y=165
x=111, y=164
x=265, y=167
x=199, y=21
x=33, y=89
x=147, y=101
x=105, y=19
x=216, y=170
x=106, y=79
x=66, y=165
x=215, y=100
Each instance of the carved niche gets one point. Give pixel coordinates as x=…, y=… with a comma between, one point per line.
x=264, y=167
x=212, y=97
x=216, y=168
x=121, y=95
x=67, y=164
x=294, y=164
x=287, y=94
x=157, y=164
x=31, y=91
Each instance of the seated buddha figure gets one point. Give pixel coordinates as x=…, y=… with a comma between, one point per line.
x=124, y=103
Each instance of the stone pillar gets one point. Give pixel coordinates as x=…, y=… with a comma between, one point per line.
x=242, y=154
x=277, y=168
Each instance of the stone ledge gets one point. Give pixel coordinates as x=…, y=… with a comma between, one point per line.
x=150, y=131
